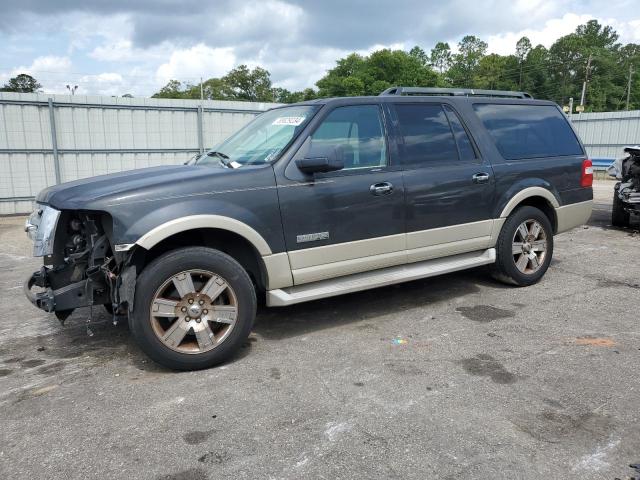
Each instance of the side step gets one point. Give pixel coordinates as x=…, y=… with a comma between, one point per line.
x=378, y=278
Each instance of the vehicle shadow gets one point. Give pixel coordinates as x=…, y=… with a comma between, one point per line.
x=601, y=217
x=284, y=322
x=102, y=343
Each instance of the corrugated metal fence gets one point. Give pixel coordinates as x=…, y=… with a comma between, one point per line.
x=48, y=139
x=604, y=134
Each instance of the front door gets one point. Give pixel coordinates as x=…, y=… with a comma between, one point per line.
x=449, y=187
x=351, y=220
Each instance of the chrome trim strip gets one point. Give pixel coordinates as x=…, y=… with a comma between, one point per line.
x=124, y=247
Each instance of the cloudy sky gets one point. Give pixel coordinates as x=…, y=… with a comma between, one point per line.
x=112, y=47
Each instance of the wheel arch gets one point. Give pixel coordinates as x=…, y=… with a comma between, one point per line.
x=538, y=197
x=199, y=222
x=232, y=243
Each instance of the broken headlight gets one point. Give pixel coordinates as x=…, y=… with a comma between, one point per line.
x=41, y=229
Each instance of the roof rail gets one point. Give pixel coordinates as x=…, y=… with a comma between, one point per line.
x=463, y=92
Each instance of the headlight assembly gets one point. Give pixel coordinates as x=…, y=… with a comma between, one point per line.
x=41, y=229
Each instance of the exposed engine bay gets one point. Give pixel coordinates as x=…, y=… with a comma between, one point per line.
x=80, y=267
x=627, y=169
x=627, y=190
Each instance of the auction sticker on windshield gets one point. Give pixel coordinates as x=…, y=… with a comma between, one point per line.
x=295, y=121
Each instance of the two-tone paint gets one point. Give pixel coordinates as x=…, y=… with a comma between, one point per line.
x=431, y=212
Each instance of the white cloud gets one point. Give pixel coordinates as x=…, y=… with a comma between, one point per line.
x=49, y=70
x=108, y=83
x=121, y=48
x=195, y=62
x=47, y=64
x=505, y=43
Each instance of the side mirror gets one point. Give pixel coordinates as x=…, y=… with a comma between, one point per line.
x=328, y=160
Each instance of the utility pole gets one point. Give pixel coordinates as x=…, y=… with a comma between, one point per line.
x=201, y=91
x=629, y=85
x=586, y=79
x=570, y=107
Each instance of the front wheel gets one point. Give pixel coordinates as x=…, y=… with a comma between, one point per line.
x=194, y=308
x=524, y=247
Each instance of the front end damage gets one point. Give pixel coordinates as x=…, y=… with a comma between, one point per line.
x=81, y=266
x=627, y=170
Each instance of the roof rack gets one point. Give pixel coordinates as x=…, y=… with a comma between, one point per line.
x=462, y=92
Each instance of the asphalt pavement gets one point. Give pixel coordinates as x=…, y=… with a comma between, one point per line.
x=453, y=377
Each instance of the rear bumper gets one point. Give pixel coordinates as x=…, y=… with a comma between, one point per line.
x=573, y=215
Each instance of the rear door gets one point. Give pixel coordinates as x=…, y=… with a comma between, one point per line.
x=351, y=220
x=449, y=188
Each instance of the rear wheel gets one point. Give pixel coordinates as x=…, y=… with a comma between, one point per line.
x=524, y=247
x=619, y=216
x=194, y=307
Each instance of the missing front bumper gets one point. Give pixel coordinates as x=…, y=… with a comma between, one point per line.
x=66, y=298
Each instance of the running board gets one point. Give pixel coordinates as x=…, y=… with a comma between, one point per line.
x=378, y=278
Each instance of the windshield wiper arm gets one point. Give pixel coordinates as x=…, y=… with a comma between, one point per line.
x=217, y=154
x=224, y=159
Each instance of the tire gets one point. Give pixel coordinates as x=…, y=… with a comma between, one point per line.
x=619, y=216
x=507, y=268
x=190, y=282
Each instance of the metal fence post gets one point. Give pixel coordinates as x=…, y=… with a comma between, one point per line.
x=200, y=131
x=54, y=141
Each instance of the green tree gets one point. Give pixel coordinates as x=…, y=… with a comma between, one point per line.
x=358, y=75
x=282, y=95
x=523, y=47
x=420, y=54
x=173, y=89
x=490, y=73
x=441, y=57
x=241, y=83
x=470, y=51
x=22, y=83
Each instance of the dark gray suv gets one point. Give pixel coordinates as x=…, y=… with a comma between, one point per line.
x=309, y=201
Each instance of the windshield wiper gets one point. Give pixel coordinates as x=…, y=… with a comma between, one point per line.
x=224, y=159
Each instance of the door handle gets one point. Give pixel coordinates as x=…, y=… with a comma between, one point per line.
x=480, y=178
x=383, y=188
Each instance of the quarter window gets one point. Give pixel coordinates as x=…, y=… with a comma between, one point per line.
x=426, y=135
x=359, y=130
x=528, y=131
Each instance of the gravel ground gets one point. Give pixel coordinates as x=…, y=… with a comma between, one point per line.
x=450, y=377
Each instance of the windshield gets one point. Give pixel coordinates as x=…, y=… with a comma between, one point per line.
x=262, y=139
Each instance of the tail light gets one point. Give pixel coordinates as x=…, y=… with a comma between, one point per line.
x=586, y=177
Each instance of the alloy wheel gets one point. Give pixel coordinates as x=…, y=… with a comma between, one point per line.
x=194, y=311
x=529, y=246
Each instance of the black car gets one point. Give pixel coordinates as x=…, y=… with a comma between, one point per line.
x=308, y=201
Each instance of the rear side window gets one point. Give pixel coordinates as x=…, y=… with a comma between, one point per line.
x=528, y=131
x=426, y=134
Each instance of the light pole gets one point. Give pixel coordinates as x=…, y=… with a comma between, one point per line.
x=72, y=89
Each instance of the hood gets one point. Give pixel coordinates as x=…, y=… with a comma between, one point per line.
x=145, y=184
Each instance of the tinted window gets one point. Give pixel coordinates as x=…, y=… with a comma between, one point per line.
x=528, y=131
x=462, y=139
x=358, y=129
x=426, y=134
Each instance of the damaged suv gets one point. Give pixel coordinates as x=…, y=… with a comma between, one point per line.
x=626, y=194
x=309, y=201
